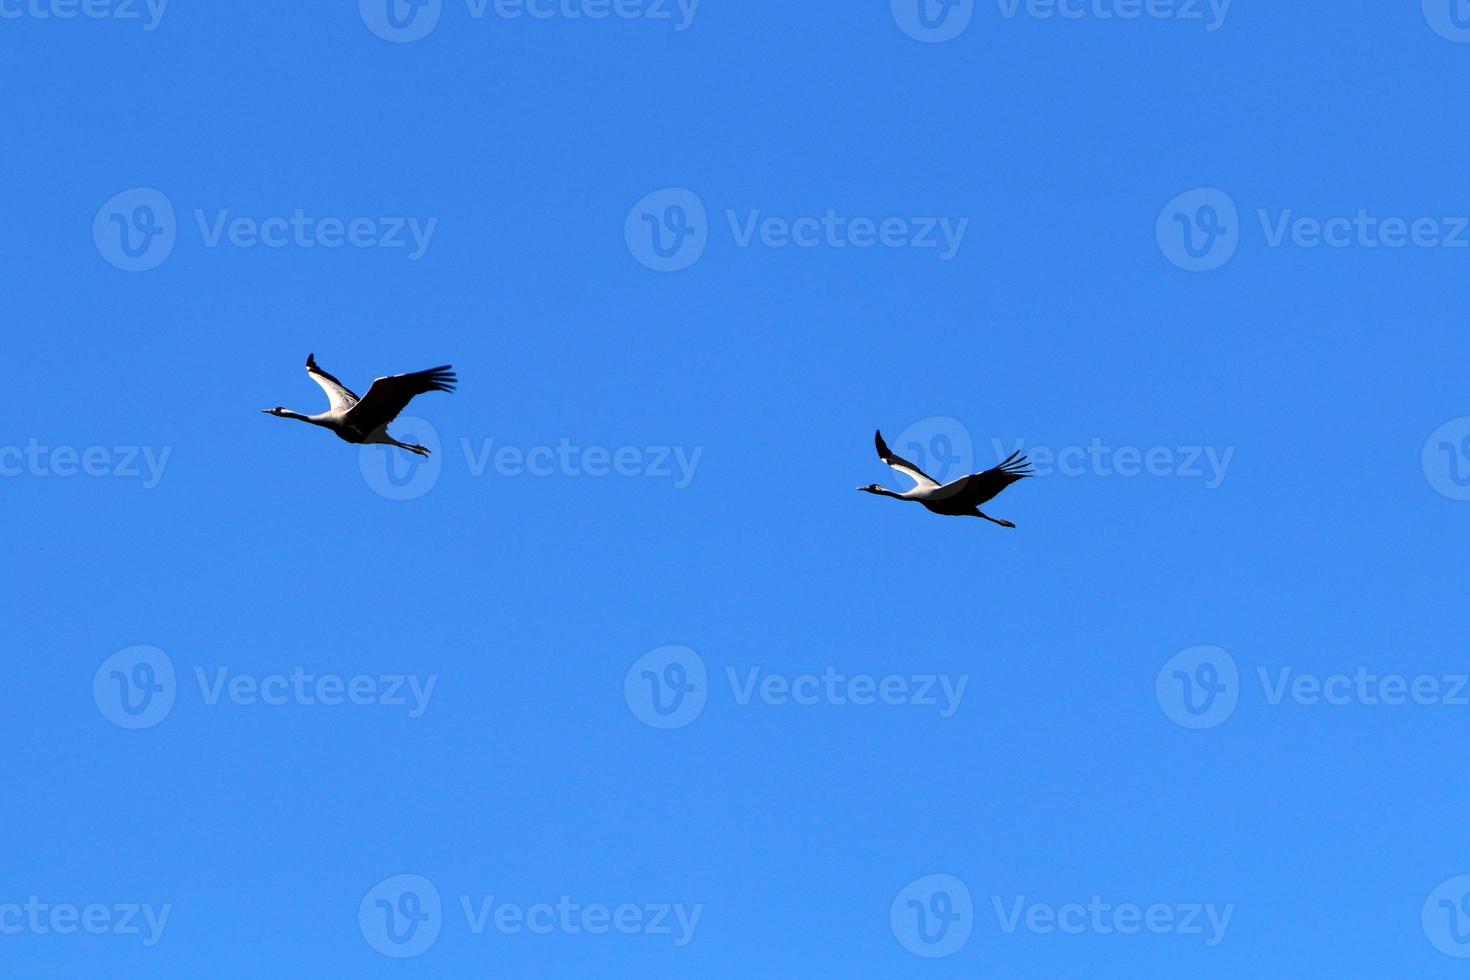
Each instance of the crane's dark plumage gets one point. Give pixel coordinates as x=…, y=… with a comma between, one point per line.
x=389, y=396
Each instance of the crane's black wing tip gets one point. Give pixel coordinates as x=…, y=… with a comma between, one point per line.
x=441, y=378
x=313, y=368
x=1015, y=465
x=1018, y=469
x=882, y=446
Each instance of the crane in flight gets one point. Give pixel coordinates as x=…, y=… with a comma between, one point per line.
x=365, y=420
x=960, y=498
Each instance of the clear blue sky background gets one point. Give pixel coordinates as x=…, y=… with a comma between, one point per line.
x=1060, y=322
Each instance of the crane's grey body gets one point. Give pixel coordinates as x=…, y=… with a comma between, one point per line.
x=365, y=420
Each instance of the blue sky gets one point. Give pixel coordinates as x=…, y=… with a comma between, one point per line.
x=628, y=680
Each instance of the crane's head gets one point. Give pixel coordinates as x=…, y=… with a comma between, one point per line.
x=285, y=413
x=871, y=488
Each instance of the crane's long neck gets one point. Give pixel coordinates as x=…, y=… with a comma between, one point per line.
x=885, y=492
x=286, y=413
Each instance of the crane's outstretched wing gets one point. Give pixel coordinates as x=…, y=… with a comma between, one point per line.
x=922, y=480
x=972, y=491
x=338, y=394
x=389, y=396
